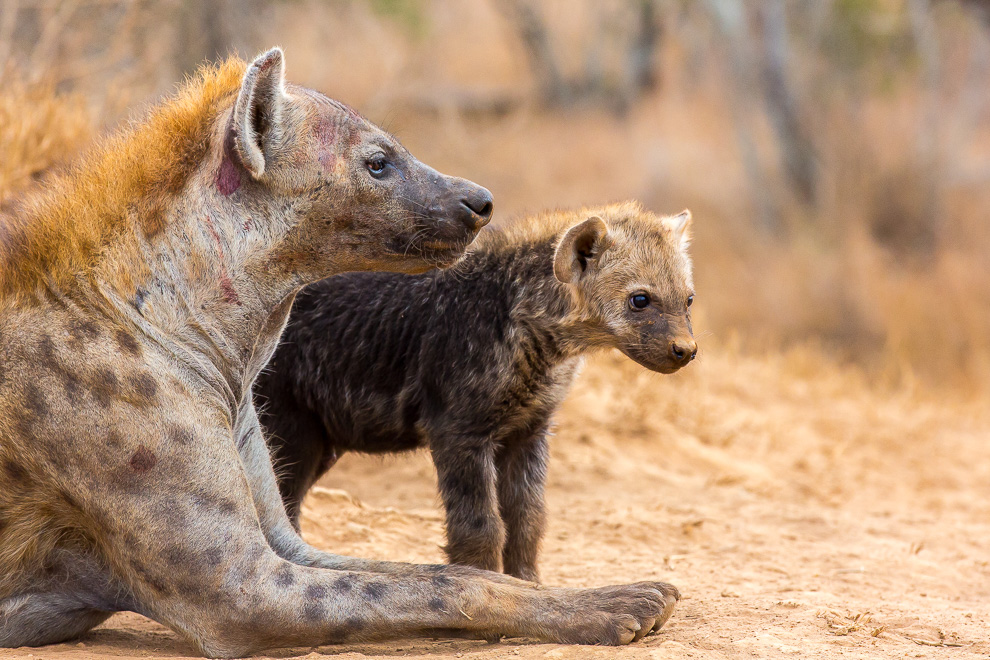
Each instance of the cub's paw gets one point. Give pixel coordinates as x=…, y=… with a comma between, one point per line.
x=617, y=615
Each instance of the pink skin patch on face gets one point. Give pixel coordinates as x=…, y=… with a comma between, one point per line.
x=228, y=178
x=229, y=174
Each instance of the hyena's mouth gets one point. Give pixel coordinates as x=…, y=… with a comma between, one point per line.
x=437, y=251
x=443, y=254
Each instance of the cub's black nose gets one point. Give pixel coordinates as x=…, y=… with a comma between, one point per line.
x=683, y=350
x=476, y=207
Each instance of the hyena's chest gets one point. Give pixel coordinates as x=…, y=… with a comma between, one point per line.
x=531, y=398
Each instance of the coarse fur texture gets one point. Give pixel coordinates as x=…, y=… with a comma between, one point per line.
x=141, y=295
x=473, y=362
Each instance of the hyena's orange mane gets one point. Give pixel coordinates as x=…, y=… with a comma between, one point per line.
x=122, y=184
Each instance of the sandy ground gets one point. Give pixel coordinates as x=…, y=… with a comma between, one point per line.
x=801, y=512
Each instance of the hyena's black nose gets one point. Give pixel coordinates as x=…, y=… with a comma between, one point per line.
x=476, y=207
x=683, y=350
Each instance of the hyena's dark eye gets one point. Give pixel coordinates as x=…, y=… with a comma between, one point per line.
x=377, y=165
x=639, y=300
x=690, y=301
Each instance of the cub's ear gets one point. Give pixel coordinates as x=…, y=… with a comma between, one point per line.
x=680, y=226
x=578, y=251
x=258, y=111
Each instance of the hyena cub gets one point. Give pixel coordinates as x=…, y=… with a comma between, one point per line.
x=473, y=362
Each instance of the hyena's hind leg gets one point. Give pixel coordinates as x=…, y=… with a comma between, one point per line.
x=48, y=618
x=76, y=594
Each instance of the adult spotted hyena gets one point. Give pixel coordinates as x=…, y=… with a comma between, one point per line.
x=473, y=362
x=139, y=297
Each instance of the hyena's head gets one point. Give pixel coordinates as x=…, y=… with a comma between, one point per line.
x=351, y=197
x=630, y=274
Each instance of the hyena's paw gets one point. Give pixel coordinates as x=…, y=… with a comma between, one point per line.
x=617, y=615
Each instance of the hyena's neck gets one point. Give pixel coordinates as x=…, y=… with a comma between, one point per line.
x=543, y=308
x=201, y=286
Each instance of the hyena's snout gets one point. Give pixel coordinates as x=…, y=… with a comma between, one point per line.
x=683, y=350
x=471, y=205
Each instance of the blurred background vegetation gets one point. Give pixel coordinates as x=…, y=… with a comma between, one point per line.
x=835, y=153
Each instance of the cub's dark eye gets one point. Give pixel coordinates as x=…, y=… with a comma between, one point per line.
x=377, y=165
x=639, y=301
x=690, y=301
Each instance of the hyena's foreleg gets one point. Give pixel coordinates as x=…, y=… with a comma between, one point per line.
x=208, y=570
x=282, y=535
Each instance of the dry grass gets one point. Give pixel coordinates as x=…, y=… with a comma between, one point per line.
x=888, y=272
x=38, y=130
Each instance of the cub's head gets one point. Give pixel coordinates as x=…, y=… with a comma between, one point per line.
x=630, y=275
x=348, y=195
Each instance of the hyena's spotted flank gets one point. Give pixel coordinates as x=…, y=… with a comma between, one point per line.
x=472, y=362
x=139, y=297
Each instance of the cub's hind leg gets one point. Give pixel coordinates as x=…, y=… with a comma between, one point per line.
x=300, y=448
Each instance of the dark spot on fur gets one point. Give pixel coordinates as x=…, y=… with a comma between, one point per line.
x=155, y=582
x=15, y=472
x=139, y=297
x=34, y=402
x=315, y=609
x=144, y=385
x=143, y=460
x=437, y=604
x=105, y=387
x=213, y=557
x=178, y=556
x=128, y=343
x=47, y=354
x=284, y=576
x=154, y=220
x=83, y=330
x=72, y=386
x=344, y=584
x=441, y=581
x=68, y=499
x=355, y=625
x=376, y=590
x=180, y=435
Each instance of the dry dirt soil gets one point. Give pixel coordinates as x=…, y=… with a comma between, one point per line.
x=801, y=512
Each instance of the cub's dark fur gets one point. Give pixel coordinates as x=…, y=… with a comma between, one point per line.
x=472, y=362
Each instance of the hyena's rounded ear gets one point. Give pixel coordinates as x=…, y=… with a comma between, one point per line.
x=578, y=251
x=680, y=226
x=258, y=110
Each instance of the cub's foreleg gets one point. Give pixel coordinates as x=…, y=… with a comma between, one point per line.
x=522, y=474
x=466, y=477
